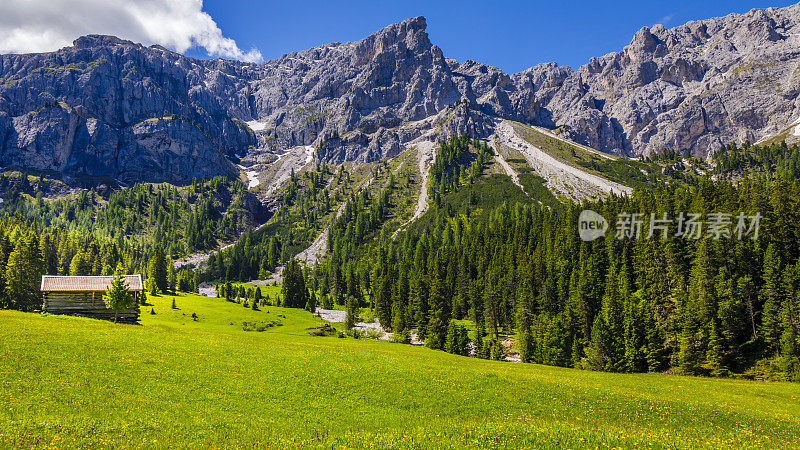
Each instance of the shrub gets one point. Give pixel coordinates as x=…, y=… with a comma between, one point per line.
x=373, y=333
x=355, y=333
x=260, y=325
x=401, y=337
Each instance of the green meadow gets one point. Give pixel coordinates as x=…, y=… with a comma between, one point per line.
x=176, y=382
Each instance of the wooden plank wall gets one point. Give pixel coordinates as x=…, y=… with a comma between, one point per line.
x=87, y=304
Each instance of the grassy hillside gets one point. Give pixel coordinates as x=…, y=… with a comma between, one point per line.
x=176, y=382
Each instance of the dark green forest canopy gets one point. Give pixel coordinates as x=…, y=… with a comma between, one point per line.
x=703, y=306
x=183, y=219
x=732, y=160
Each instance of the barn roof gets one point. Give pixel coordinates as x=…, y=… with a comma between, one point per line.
x=86, y=283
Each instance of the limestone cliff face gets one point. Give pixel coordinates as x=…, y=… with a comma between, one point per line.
x=111, y=107
x=692, y=87
x=114, y=108
x=368, y=87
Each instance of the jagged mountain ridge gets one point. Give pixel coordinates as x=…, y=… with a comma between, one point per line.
x=111, y=107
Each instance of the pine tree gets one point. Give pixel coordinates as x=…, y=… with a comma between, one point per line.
x=526, y=342
x=294, y=292
x=383, y=300
x=117, y=296
x=772, y=298
x=80, y=265
x=437, y=323
x=311, y=303
x=152, y=286
x=157, y=269
x=24, y=273
x=456, y=340
x=353, y=311
x=716, y=352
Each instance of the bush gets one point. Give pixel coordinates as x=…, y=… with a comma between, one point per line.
x=401, y=337
x=260, y=325
x=355, y=333
x=373, y=333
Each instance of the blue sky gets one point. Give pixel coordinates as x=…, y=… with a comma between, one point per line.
x=512, y=35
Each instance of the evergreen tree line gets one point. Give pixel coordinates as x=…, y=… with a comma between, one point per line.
x=455, y=164
x=182, y=220
x=765, y=159
x=248, y=297
x=308, y=197
x=698, y=306
x=27, y=253
x=343, y=278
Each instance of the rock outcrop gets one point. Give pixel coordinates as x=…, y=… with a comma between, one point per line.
x=692, y=88
x=114, y=108
x=108, y=107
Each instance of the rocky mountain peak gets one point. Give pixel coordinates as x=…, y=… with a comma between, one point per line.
x=644, y=42
x=107, y=106
x=99, y=40
x=410, y=32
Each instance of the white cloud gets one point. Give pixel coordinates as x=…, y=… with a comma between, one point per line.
x=47, y=25
x=666, y=19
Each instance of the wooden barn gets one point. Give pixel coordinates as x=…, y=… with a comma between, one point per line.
x=83, y=296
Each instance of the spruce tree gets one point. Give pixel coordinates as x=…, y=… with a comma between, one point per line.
x=437, y=323
x=452, y=339
x=294, y=292
x=157, y=269
x=311, y=303
x=353, y=310
x=24, y=273
x=117, y=296
x=772, y=298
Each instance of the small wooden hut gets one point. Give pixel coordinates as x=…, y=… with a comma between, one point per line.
x=83, y=296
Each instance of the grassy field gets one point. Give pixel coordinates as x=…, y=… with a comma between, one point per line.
x=174, y=382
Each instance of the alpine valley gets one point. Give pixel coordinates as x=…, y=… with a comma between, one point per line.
x=379, y=189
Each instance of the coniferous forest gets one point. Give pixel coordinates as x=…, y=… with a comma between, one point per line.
x=694, y=306
x=705, y=305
